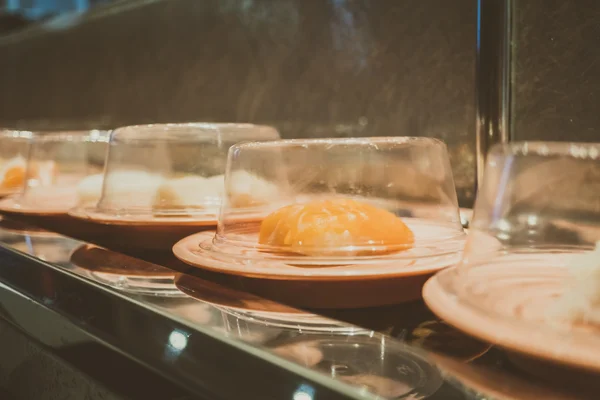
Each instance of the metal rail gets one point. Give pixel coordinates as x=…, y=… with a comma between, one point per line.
x=493, y=78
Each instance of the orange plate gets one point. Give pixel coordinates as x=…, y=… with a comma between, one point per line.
x=59, y=222
x=345, y=294
x=155, y=235
x=188, y=251
x=99, y=217
x=571, y=348
x=10, y=206
x=335, y=289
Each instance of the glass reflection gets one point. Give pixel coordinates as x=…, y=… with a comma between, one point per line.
x=304, y=392
x=362, y=361
x=178, y=340
x=239, y=306
x=46, y=246
x=123, y=272
x=347, y=354
x=371, y=364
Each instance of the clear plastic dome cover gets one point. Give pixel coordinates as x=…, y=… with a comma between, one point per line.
x=14, y=148
x=59, y=165
x=533, y=252
x=169, y=172
x=337, y=201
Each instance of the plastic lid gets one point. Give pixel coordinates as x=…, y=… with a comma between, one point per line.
x=57, y=165
x=533, y=234
x=169, y=171
x=337, y=201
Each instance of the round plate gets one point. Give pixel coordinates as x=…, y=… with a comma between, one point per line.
x=189, y=251
x=123, y=272
x=520, y=333
x=152, y=235
x=156, y=219
x=140, y=220
x=11, y=205
x=59, y=223
x=249, y=307
x=349, y=286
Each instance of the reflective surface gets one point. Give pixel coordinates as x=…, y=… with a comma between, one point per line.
x=212, y=345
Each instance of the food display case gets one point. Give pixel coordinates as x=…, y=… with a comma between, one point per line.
x=296, y=302
x=326, y=258
x=214, y=339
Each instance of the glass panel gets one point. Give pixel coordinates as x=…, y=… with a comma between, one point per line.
x=223, y=336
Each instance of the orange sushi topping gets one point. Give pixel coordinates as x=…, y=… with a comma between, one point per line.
x=335, y=227
x=13, y=178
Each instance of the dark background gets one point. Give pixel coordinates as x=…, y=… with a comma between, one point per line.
x=313, y=68
x=557, y=70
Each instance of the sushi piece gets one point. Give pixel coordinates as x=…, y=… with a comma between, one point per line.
x=130, y=190
x=188, y=193
x=248, y=190
x=12, y=174
x=335, y=227
x=89, y=189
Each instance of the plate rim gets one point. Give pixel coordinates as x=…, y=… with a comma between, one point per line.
x=80, y=213
x=7, y=206
x=519, y=338
x=181, y=250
